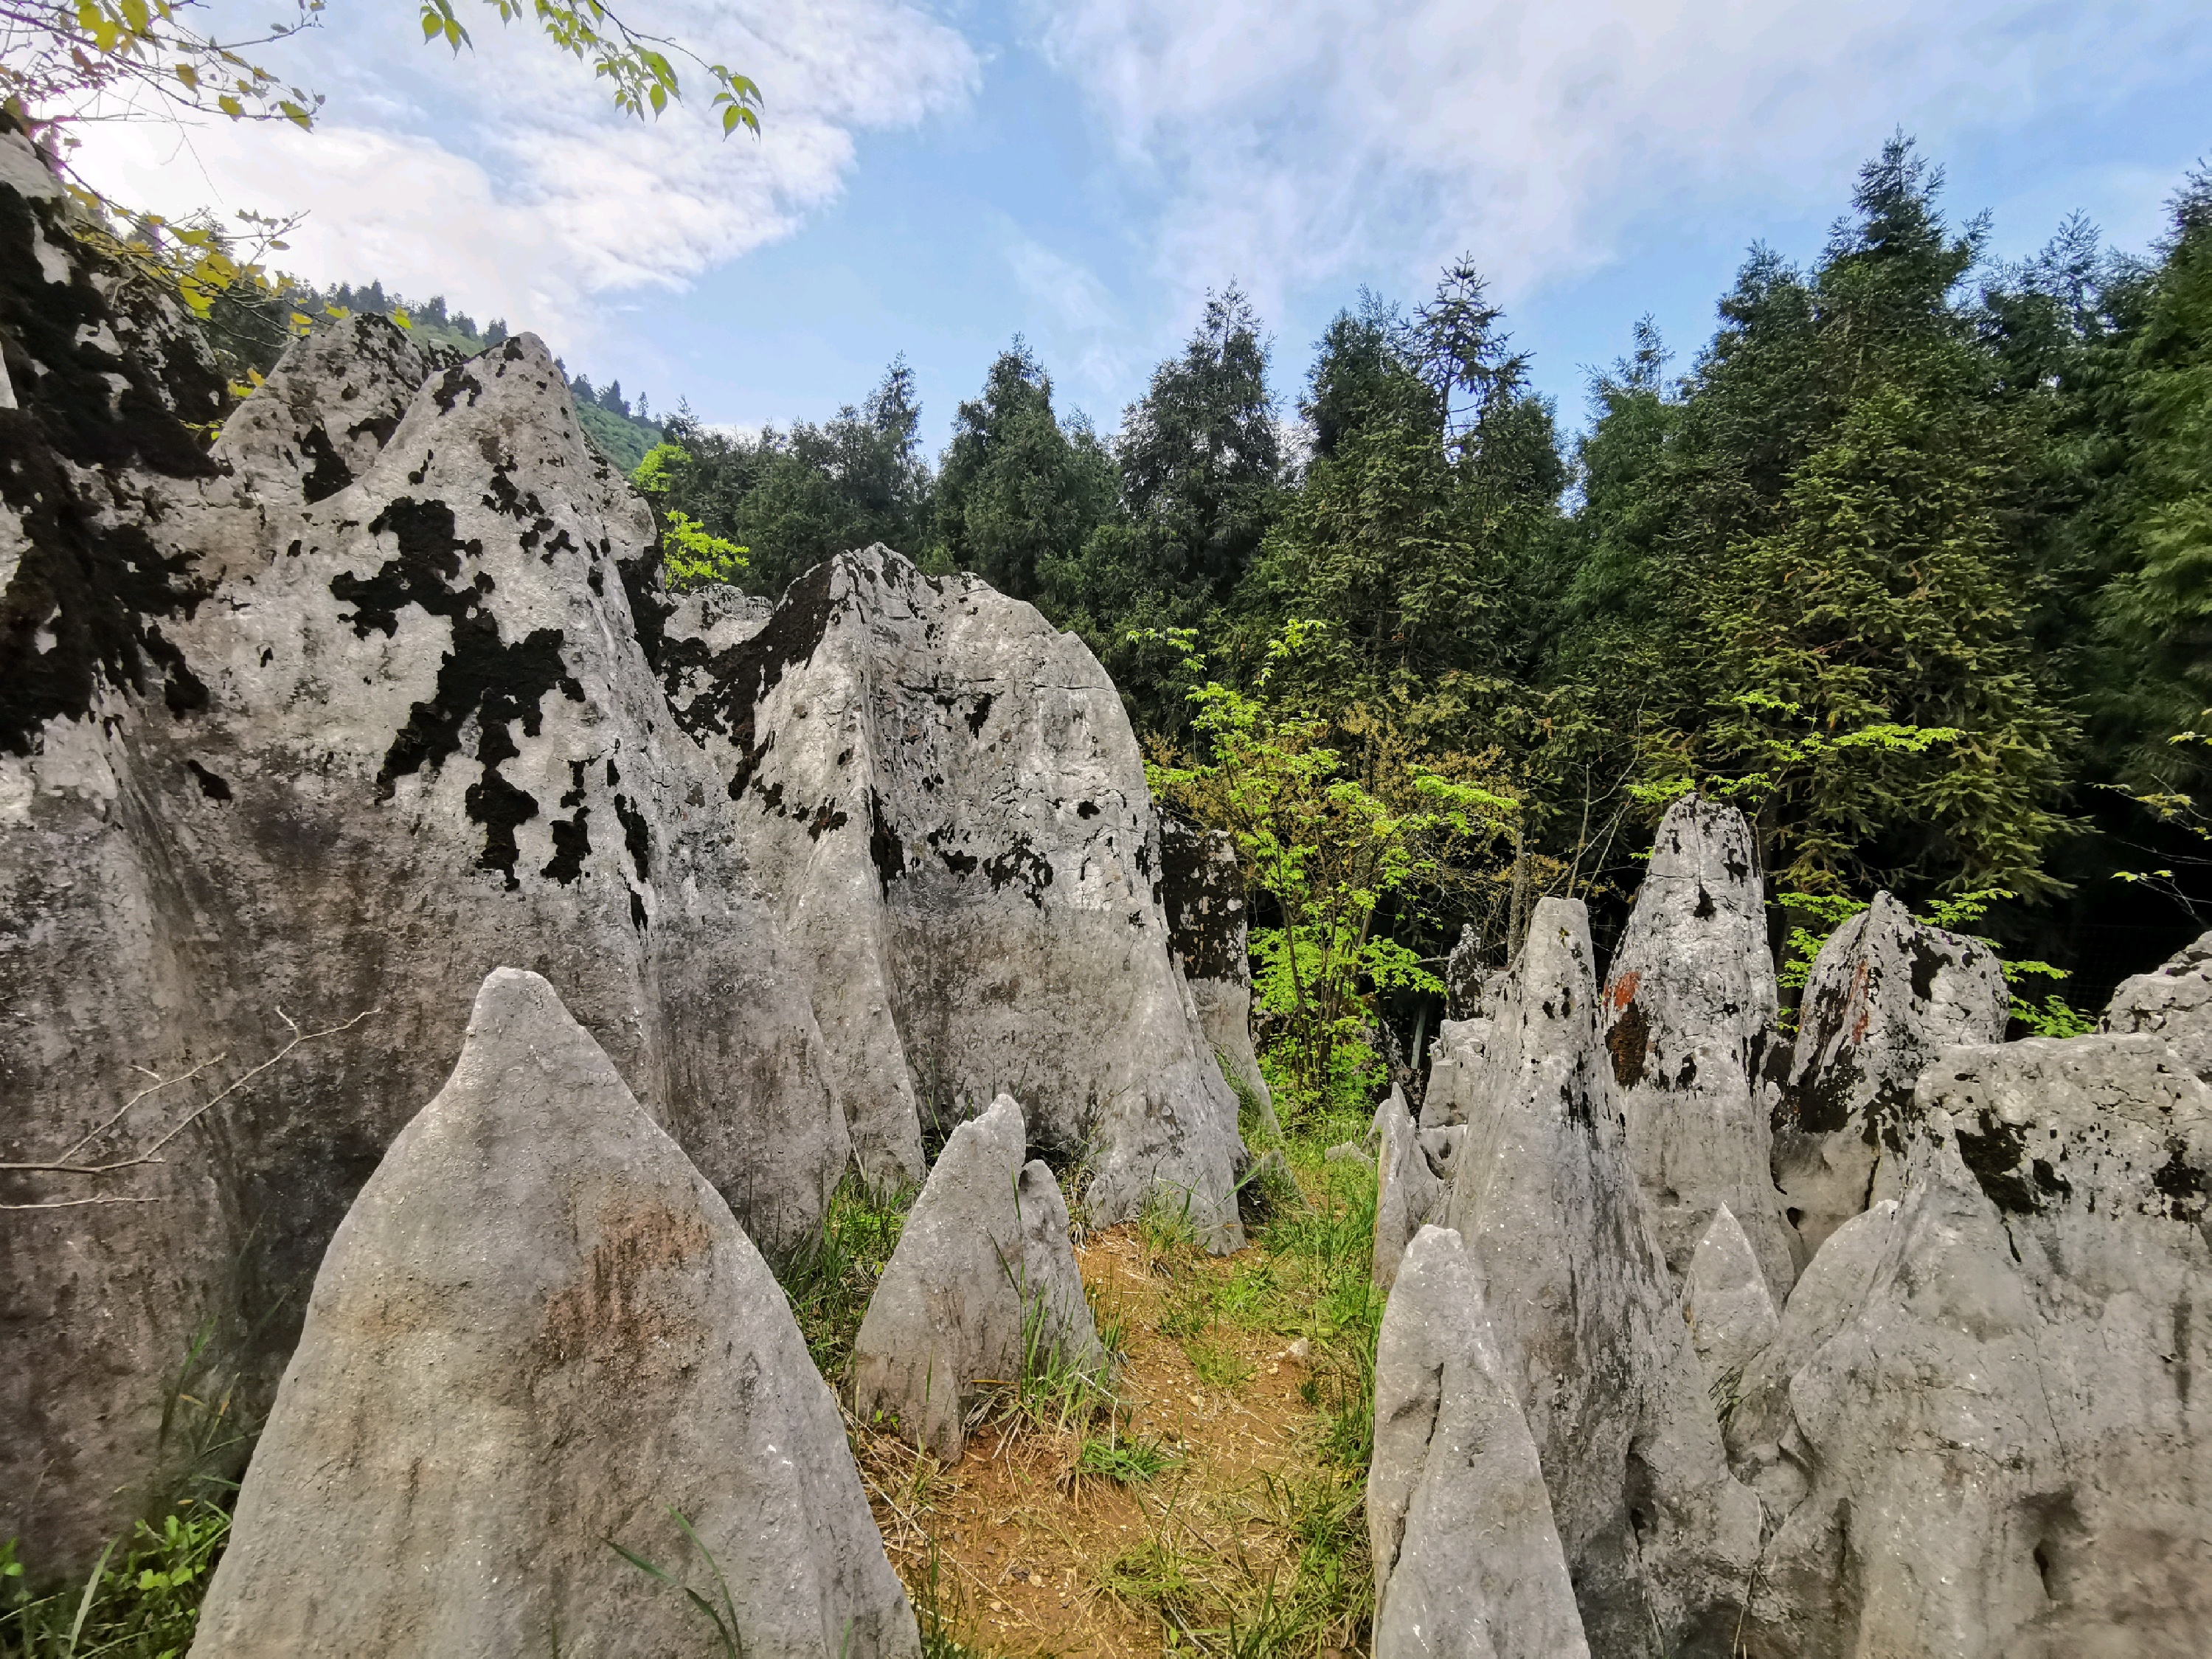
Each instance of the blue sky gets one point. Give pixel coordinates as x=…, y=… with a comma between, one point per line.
x=933, y=178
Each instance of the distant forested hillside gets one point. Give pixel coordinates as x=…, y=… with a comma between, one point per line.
x=1912, y=559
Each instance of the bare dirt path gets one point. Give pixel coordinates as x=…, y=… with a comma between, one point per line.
x=1247, y=1537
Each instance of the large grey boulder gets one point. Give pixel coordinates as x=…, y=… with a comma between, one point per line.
x=328, y=720
x=945, y=794
x=1659, y=1539
x=1689, y=1016
x=1202, y=890
x=2003, y=1450
x=1467, y=1563
x=385, y=690
x=2173, y=1002
x=983, y=1281
x=539, y=1328
x=1885, y=995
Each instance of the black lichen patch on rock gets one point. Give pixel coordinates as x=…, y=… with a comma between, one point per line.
x=498, y=681
x=1203, y=892
x=1926, y=963
x=1993, y=1154
x=330, y=474
x=2187, y=1189
x=737, y=677
x=78, y=609
x=81, y=609
x=1023, y=867
x=884, y=846
x=97, y=406
x=636, y=836
x=1628, y=1040
x=572, y=845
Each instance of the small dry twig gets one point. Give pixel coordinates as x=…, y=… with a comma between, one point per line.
x=66, y=1163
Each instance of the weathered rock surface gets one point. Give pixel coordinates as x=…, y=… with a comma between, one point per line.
x=1827, y=1297
x=1973, y=1428
x=375, y=696
x=333, y=719
x=983, y=1274
x=1410, y=1187
x=1657, y=1535
x=2173, y=1002
x=1459, y=1062
x=2002, y=1451
x=1731, y=1316
x=946, y=796
x=1885, y=995
x=537, y=1328
x=1689, y=1016
x=1467, y=1560
x=1467, y=969
x=1203, y=892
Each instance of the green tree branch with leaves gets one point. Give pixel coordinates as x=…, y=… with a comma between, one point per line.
x=1336, y=820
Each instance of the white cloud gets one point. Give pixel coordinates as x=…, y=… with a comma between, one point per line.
x=1084, y=322
x=1293, y=140
x=504, y=179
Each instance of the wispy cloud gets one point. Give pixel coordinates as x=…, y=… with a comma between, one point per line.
x=1296, y=140
x=1089, y=330
x=504, y=181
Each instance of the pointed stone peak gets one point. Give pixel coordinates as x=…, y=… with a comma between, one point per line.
x=1731, y=1314
x=539, y=1328
x=1708, y=845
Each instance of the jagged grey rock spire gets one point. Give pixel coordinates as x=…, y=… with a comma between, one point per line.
x=1689, y=1016
x=983, y=1282
x=537, y=1330
x=1884, y=995
x=1588, y=1325
x=1467, y=1563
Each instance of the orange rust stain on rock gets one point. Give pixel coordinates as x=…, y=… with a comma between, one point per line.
x=612, y=1312
x=1622, y=991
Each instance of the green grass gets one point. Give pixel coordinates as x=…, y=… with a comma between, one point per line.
x=1126, y=1463
x=141, y=1600
x=1216, y=1366
x=1165, y=1230
x=1281, y=1573
x=1186, y=1311
x=828, y=1280
x=940, y=1614
x=724, y=1618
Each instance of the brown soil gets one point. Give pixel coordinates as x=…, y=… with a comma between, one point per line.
x=1025, y=1549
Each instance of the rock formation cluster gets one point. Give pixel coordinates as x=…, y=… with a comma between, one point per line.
x=303, y=734
x=1886, y=1339
x=1950, y=1408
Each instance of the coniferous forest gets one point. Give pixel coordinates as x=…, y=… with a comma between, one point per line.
x=1907, y=559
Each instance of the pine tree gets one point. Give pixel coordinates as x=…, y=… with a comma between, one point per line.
x=1018, y=489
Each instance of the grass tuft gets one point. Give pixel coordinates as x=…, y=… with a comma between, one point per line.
x=829, y=1280
x=141, y=1600
x=1126, y=1463
x=1216, y=1365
